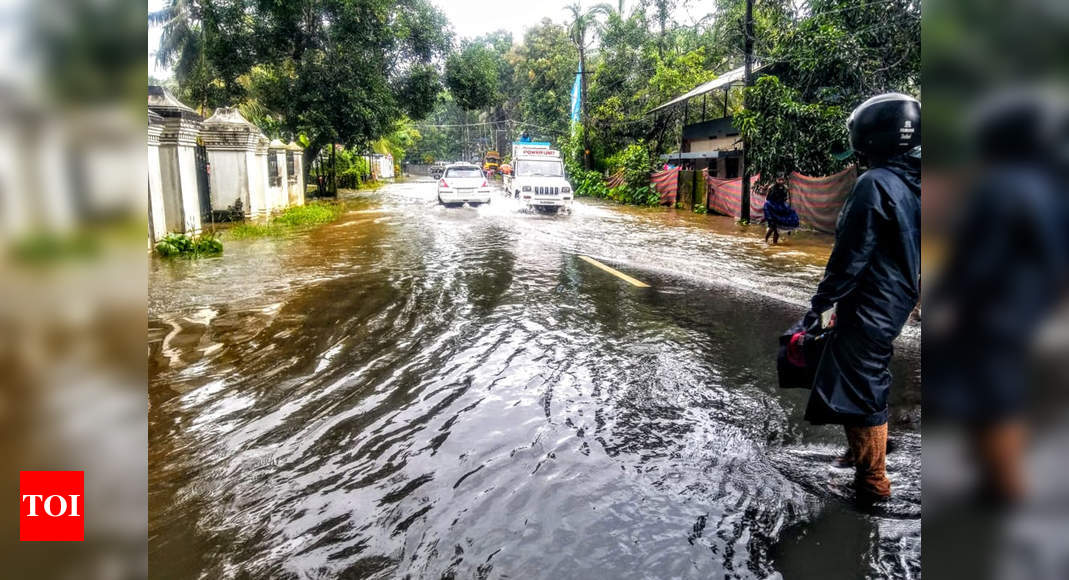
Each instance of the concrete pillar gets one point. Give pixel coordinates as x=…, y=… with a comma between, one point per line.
x=296, y=175
x=231, y=144
x=178, y=162
x=157, y=221
x=262, y=184
x=278, y=182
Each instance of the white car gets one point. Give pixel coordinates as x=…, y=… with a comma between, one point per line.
x=463, y=183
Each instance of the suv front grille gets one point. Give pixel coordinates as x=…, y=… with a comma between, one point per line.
x=547, y=191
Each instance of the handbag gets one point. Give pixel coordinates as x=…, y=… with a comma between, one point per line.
x=800, y=350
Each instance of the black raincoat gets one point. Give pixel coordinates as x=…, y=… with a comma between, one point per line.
x=873, y=279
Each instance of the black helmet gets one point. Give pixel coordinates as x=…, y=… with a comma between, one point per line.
x=885, y=125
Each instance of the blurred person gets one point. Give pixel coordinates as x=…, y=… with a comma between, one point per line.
x=1005, y=273
x=779, y=215
x=870, y=286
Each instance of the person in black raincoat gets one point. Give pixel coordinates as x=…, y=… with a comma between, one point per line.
x=872, y=281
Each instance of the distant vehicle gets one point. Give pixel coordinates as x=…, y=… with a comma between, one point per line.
x=491, y=161
x=463, y=183
x=537, y=178
x=438, y=169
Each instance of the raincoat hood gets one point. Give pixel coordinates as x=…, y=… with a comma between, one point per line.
x=907, y=167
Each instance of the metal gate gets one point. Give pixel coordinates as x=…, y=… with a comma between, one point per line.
x=203, y=183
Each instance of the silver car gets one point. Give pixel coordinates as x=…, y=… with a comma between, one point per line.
x=463, y=183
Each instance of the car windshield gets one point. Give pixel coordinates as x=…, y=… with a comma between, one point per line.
x=463, y=172
x=539, y=167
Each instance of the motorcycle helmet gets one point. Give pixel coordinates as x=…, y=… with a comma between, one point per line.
x=885, y=125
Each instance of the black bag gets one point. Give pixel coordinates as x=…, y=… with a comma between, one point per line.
x=812, y=343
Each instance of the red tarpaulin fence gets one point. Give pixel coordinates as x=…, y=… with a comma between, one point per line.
x=816, y=199
x=725, y=197
x=667, y=184
x=819, y=199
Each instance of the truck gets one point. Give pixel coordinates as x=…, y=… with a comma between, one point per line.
x=537, y=178
x=491, y=161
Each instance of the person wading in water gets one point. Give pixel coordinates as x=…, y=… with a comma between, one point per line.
x=779, y=215
x=870, y=285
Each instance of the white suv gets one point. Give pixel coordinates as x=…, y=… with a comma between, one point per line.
x=463, y=183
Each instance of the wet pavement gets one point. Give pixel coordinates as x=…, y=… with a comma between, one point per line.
x=416, y=391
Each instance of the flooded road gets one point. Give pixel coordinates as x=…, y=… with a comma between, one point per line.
x=422, y=392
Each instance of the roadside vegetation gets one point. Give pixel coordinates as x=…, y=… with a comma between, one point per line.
x=294, y=218
x=182, y=245
x=434, y=97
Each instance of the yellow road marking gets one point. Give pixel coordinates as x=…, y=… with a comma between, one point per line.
x=615, y=272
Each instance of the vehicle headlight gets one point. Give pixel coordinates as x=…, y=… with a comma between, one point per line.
x=527, y=188
x=565, y=190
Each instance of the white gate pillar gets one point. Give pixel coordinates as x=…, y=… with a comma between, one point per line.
x=178, y=163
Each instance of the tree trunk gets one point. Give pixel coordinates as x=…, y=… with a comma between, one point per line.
x=333, y=171
x=310, y=155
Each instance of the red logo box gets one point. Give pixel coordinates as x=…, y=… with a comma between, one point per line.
x=51, y=506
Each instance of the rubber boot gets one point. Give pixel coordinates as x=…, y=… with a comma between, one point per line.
x=999, y=450
x=869, y=446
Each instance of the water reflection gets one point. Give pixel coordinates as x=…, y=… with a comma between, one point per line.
x=428, y=392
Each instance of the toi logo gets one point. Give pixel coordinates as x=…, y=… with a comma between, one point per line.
x=51, y=506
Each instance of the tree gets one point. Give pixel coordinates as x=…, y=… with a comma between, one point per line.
x=472, y=77
x=786, y=134
x=544, y=68
x=582, y=28
x=334, y=70
x=826, y=64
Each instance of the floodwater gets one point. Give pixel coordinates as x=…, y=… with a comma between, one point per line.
x=425, y=392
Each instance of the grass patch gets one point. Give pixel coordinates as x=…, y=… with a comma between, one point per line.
x=304, y=215
x=244, y=231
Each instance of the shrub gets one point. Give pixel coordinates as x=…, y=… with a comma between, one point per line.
x=303, y=215
x=589, y=184
x=206, y=244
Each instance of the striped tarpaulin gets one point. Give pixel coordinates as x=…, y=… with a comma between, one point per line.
x=667, y=184
x=725, y=197
x=818, y=200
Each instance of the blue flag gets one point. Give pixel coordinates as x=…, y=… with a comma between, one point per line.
x=577, y=90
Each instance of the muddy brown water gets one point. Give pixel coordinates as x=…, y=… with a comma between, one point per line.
x=423, y=392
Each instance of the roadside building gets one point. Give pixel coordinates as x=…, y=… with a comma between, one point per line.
x=709, y=137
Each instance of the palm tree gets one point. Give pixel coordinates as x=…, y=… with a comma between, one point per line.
x=582, y=28
x=180, y=41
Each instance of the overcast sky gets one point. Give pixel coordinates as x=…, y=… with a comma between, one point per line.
x=474, y=17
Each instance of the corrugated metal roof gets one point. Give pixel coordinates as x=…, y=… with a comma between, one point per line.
x=729, y=78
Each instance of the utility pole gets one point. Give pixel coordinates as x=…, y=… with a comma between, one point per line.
x=747, y=81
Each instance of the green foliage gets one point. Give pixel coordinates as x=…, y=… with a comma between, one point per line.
x=334, y=71
x=359, y=72
x=701, y=209
x=472, y=76
x=309, y=214
x=829, y=62
x=292, y=218
x=589, y=183
x=45, y=248
x=206, y=244
x=786, y=134
x=545, y=66
x=636, y=163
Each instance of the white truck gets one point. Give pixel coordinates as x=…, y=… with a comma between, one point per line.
x=537, y=178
